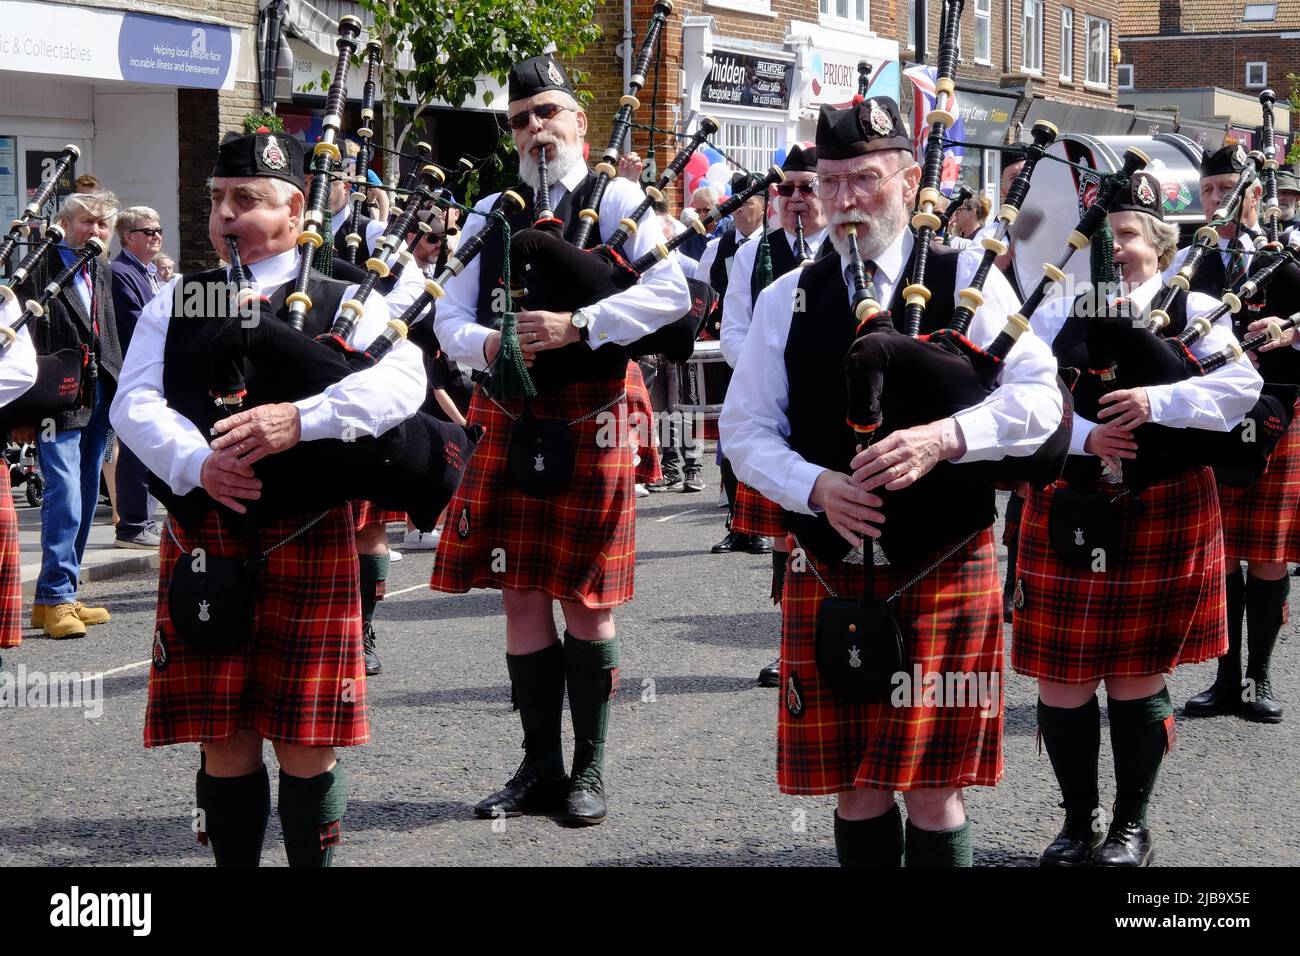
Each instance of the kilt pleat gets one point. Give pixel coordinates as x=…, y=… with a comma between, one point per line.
x=1158, y=604
x=11, y=572
x=579, y=545
x=756, y=514
x=299, y=678
x=641, y=427
x=951, y=622
x=1261, y=522
x=367, y=512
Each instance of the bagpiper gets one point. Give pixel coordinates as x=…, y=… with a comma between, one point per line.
x=17, y=375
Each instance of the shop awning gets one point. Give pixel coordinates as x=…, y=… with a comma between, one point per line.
x=1070, y=118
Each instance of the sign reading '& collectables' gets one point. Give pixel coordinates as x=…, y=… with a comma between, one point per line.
x=740, y=79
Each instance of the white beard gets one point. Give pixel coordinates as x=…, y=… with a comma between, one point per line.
x=566, y=158
x=875, y=234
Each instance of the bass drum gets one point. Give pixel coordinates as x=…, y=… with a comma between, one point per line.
x=1059, y=194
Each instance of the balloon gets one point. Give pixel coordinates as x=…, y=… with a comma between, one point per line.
x=711, y=154
x=779, y=157
x=691, y=182
x=719, y=174
x=697, y=165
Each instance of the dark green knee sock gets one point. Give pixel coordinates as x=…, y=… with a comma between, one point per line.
x=1138, y=738
x=874, y=842
x=537, y=687
x=1265, y=601
x=1073, y=740
x=311, y=815
x=591, y=669
x=374, y=572
x=1230, y=663
x=234, y=811
x=939, y=847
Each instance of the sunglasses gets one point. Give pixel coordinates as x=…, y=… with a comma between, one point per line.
x=786, y=189
x=154, y=233
x=543, y=113
x=433, y=238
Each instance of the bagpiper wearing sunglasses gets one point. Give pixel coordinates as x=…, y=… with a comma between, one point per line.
x=575, y=545
x=754, y=518
x=784, y=424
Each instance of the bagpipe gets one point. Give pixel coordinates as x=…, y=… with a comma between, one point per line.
x=21, y=227
x=374, y=49
x=1272, y=208
x=62, y=376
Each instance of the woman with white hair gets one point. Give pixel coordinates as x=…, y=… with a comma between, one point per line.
x=1153, y=598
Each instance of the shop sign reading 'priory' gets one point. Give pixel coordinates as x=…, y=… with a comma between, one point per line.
x=740, y=79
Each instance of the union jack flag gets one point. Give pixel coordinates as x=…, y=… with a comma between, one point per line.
x=923, y=95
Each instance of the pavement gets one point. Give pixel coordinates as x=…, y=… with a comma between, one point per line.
x=691, y=765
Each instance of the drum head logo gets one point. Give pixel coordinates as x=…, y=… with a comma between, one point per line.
x=880, y=121
x=553, y=74
x=1177, y=196
x=272, y=155
x=1145, y=194
x=1088, y=193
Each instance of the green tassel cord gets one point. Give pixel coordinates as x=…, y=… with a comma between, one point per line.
x=763, y=262
x=508, y=376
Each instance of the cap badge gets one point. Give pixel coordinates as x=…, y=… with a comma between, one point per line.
x=880, y=121
x=553, y=73
x=273, y=156
x=1239, y=156
x=1145, y=194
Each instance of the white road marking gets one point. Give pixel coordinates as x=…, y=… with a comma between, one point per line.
x=117, y=670
x=678, y=515
x=413, y=587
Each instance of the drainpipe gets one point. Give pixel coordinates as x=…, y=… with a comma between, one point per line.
x=627, y=62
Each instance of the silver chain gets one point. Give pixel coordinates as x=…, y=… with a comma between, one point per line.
x=898, y=593
x=577, y=421
x=305, y=528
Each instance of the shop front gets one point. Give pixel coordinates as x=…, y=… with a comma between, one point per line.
x=828, y=68
x=105, y=81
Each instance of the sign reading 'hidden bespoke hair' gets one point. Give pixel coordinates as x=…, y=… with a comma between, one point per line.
x=740, y=79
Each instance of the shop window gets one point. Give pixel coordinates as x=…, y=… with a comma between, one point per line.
x=1124, y=76
x=846, y=11
x=1257, y=75
x=748, y=6
x=751, y=145
x=1098, y=38
x=983, y=31
x=1067, y=44
x=1031, y=37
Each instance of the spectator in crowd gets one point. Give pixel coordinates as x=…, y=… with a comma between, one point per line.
x=86, y=183
x=79, y=317
x=135, y=283
x=166, y=267
x=702, y=200
x=969, y=218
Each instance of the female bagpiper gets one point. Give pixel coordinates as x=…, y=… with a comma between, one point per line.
x=17, y=375
x=1157, y=601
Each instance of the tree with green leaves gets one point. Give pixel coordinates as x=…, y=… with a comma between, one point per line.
x=453, y=45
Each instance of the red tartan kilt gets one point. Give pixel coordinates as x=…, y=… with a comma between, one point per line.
x=1261, y=522
x=11, y=572
x=952, y=622
x=299, y=678
x=579, y=545
x=756, y=514
x=367, y=512
x=1159, y=604
x=641, y=423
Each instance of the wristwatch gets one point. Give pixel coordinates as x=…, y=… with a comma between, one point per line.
x=581, y=321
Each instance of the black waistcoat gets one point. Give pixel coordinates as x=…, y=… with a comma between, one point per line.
x=921, y=520
x=578, y=362
x=187, y=369
x=783, y=261
x=1069, y=346
x=719, y=278
x=341, y=239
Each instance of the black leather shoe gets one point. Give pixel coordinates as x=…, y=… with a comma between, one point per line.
x=526, y=792
x=1263, y=709
x=757, y=545
x=1222, y=698
x=585, y=806
x=1073, y=846
x=1127, y=844
x=770, y=676
x=734, y=541
x=373, y=664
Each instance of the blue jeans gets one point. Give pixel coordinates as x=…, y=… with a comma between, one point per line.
x=70, y=464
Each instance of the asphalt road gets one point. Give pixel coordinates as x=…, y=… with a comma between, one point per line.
x=691, y=769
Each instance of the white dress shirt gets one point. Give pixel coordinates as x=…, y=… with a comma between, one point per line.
x=1216, y=402
x=659, y=298
x=342, y=220
x=18, y=362
x=710, y=253
x=370, y=401
x=737, y=304
x=1015, y=419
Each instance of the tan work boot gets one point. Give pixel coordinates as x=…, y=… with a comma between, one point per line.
x=61, y=621
x=87, y=615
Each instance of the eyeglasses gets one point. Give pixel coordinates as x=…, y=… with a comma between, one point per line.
x=864, y=183
x=543, y=113
x=786, y=189
x=433, y=238
x=152, y=233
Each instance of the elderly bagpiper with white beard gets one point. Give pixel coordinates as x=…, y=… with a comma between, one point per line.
x=577, y=545
x=1157, y=602
x=784, y=424
x=296, y=677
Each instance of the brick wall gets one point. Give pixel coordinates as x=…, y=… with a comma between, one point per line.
x=1202, y=60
